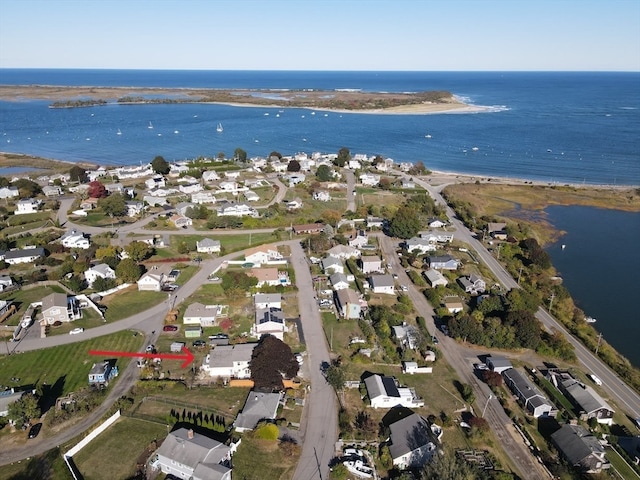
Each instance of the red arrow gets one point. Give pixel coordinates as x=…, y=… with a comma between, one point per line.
x=187, y=356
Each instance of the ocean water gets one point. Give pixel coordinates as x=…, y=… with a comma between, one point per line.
x=601, y=282
x=554, y=127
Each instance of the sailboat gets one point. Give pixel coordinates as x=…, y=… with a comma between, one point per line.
x=150, y=125
x=219, y=128
x=119, y=132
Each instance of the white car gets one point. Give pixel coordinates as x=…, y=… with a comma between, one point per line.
x=595, y=379
x=75, y=331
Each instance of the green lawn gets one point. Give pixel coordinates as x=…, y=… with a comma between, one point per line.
x=273, y=463
x=120, y=445
x=68, y=364
x=620, y=465
x=129, y=302
x=23, y=297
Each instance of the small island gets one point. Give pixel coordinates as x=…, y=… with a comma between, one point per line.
x=339, y=100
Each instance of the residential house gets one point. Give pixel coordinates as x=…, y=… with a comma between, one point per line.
x=57, y=307
x=421, y=245
x=7, y=397
x=228, y=186
x=262, y=254
x=344, y=252
x=442, y=262
x=9, y=192
x=101, y=270
x=348, y=303
x=359, y=240
x=27, y=205
x=134, y=208
x=294, y=204
x=339, y=281
x=155, y=182
x=5, y=282
x=370, y=264
x=472, y=284
x=190, y=188
x=154, y=200
x=385, y=392
x=229, y=361
x=51, y=191
x=75, y=239
x=230, y=209
x=251, y=196
x=407, y=335
x=151, y=282
x=435, y=278
x=295, y=178
x=259, y=406
x=25, y=255
x=265, y=276
x=580, y=448
x=114, y=188
x=412, y=445
x=267, y=300
x=187, y=454
x=375, y=222
x=493, y=227
x=201, y=198
x=199, y=314
x=453, y=303
x=587, y=401
x=354, y=165
x=436, y=223
x=270, y=321
x=101, y=373
x=498, y=363
x=412, y=367
x=207, y=245
x=407, y=184
x=382, y=284
x=332, y=265
x=369, y=180
x=322, y=196
x=89, y=204
x=235, y=174
x=210, y=176
x=312, y=228
x=528, y=394
x=437, y=236
x=180, y=221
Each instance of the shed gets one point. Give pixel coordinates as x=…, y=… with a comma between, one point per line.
x=177, y=346
x=193, y=332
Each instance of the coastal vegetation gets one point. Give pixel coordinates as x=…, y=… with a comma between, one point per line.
x=78, y=103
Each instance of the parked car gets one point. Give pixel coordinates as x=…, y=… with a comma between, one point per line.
x=170, y=328
x=35, y=430
x=199, y=343
x=434, y=340
x=76, y=331
x=595, y=379
x=353, y=452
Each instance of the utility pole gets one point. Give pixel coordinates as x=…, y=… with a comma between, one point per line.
x=499, y=247
x=553, y=295
x=519, y=275
x=486, y=404
x=598, y=346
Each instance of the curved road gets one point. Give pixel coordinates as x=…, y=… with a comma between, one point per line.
x=615, y=386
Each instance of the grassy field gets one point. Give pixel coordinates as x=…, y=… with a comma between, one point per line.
x=23, y=297
x=68, y=365
x=273, y=462
x=230, y=243
x=120, y=445
x=620, y=465
x=129, y=302
x=48, y=466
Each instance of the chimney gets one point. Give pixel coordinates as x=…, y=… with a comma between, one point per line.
x=190, y=434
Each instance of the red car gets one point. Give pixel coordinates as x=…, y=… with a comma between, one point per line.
x=170, y=328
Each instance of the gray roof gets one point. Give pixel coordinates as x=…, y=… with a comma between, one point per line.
x=585, y=396
x=381, y=281
x=338, y=277
x=434, y=276
x=408, y=434
x=346, y=295
x=576, y=443
x=102, y=269
x=370, y=259
x=258, y=406
x=522, y=384
x=199, y=310
x=267, y=298
x=329, y=262
x=54, y=300
x=378, y=385
x=198, y=453
x=265, y=315
x=207, y=242
x=226, y=355
x=496, y=361
x=25, y=252
x=7, y=397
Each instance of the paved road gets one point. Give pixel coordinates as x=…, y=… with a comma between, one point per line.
x=621, y=393
x=320, y=420
x=351, y=190
x=511, y=442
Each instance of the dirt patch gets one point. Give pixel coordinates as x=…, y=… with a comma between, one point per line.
x=226, y=325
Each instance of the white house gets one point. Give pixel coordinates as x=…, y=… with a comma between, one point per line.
x=25, y=255
x=374, y=222
x=9, y=192
x=102, y=270
x=251, y=196
x=369, y=180
x=322, y=196
x=51, y=190
x=361, y=239
x=134, y=208
x=332, y=265
x=421, y=245
x=436, y=223
x=180, y=221
x=208, y=245
x=151, y=282
x=27, y=205
x=199, y=314
x=237, y=210
x=270, y=321
x=262, y=254
x=370, y=264
x=154, y=200
x=155, y=182
x=200, y=198
x=266, y=276
x=267, y=300
x=295, y=178
x=437, y=236
x=435, y=278
x=229, y=361
x=259, y=406
x=453, y=304
x=344, y=252
x=75, y=239
x=294, y=204
x=382, y=284
x=210, y=176
x=190, y=188
x=339, y=281
x=411, y=442
x=385, y=392
x=473, y=284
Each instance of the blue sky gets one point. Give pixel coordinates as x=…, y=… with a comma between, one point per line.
x=322, y=34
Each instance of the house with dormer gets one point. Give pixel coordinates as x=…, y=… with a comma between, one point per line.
x=57, y=307
x=101, y=270
x=259, y=406
x=442, y=262
x=229, y=361
x=75, y=239
x=411, y=442
x=208, y=245
x=332, y=265
x=385, y=392
x=269, y=321
x=262, y=254
x=580, y=448
x=151, y=282
x=24, y=255
x=473, y=284
x=370, y=264
x=27, y=205
x=420, y=245
x=348, y=303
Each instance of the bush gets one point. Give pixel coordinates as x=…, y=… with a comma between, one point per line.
x=267, y=431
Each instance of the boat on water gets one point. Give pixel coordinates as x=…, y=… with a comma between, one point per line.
x=475, y=149
x=357, y=467
x=119, y=132
x=219, y=128
x=590, y=319
x=427, y=136
x=150, y=125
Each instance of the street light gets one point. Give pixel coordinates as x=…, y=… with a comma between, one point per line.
x=486, y=404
